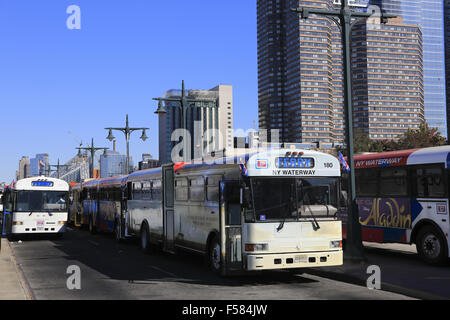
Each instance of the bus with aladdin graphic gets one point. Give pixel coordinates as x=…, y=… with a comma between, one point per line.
x=403, y=197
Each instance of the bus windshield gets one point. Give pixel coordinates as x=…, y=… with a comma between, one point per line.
x=293, y=198
x=41, y=201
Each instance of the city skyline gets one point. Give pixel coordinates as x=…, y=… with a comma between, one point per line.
x=60, y=87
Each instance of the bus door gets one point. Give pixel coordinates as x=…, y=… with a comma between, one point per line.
x=168, y=207
x=6, y=215
x=231, y=226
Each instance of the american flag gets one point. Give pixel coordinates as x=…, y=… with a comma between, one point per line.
x=243, y=168
x=344, y=163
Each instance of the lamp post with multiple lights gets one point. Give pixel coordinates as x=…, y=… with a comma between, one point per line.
x=185, y=103
x=92, y=150
x=127, y=131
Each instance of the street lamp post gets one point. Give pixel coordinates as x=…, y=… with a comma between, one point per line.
x=185, y=103
x=57, y=166
x=346, y=18
x=92, y=150
x=127, y=131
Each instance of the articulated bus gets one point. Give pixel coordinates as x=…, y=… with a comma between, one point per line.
x=36, y=206
x=403, y=197
x=276, y=209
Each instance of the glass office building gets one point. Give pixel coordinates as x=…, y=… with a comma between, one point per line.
x=429, y=16
x=300, y=75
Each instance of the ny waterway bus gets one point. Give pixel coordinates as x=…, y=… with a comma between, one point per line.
x=403, y=197
x=36, y=206
x=275, y=209
x=101, y=203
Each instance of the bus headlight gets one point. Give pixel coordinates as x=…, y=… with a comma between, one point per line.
x=256, y=247
x=17, y=223
x=61, y=223
x=335, y=244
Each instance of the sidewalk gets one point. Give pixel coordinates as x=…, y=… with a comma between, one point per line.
x=12, y=283
x=393, y=270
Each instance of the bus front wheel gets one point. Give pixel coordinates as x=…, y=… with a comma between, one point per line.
x=431, y=246
x=145, y=239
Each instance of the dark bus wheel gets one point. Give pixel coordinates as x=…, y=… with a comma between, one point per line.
x=431, y=246
x=215, y=256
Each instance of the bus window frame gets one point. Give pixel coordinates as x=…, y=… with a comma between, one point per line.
x=411, y=180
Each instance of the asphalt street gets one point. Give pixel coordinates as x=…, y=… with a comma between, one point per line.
x=111, y=270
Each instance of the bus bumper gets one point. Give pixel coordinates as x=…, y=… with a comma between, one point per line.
x=293, y=260
x=35, y=230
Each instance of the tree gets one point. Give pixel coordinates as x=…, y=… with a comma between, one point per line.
x=422, y=138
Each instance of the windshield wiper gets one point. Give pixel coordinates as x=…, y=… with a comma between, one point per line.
x=281, y=226
x=316, y=225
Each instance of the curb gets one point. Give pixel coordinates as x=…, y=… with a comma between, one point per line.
x=26, y=287
x=342, y=277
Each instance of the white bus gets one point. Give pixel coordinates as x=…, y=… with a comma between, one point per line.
x=276, y=209
x=36, y=205
x=403, y=197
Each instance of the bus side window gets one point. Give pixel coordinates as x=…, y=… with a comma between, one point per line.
x=146, y=190
x=197, y=189
x=181, y=189
x=366, y=182
x=393, y=182
x=156, y=190
x=212, y=188
x=429, y=182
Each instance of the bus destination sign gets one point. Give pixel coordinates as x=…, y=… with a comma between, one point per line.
x=287, y=162
x=42, y=184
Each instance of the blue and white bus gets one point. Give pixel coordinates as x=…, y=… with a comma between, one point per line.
x=36, y=206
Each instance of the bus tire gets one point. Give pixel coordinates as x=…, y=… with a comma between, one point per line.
x=215, y=256
x=431, y=246
x=144, y=241
x=116, y=232
x=91, y=225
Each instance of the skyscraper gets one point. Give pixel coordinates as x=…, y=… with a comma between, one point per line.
x=387, y=69
x=39, y=164
x=429, y=16
x=201, y=119
x=447, y=57
x=114, y=164
x=300, y=74
x=298, y=63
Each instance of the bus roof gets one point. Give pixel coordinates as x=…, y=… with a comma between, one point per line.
x=42, y=183
x=295, y=162
x=404, y=157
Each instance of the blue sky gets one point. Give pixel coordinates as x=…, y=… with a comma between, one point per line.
x=61, y=86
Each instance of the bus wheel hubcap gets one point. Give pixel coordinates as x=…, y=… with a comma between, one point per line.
x=431, y=246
